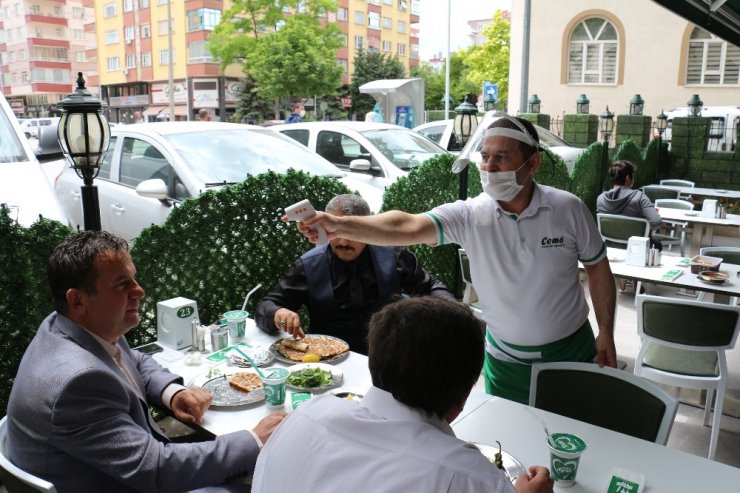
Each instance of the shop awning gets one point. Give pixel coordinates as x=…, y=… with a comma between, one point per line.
x=720, y=17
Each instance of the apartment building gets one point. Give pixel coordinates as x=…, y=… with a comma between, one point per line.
x=43, y=44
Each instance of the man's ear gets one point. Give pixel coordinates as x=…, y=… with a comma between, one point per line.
x=76, y=301
x=535, y=161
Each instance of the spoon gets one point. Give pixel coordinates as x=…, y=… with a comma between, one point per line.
x=544, y=426
x=244, y=306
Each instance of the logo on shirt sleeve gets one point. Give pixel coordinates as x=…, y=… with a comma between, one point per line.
x=548, y=242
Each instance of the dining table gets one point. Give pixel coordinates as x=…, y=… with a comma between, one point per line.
x=702, y=227
x=717, y=193
x=520, y=431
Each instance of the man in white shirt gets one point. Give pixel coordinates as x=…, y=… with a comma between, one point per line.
x=425, y=355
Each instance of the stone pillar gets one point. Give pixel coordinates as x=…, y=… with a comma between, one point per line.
x=580, y=130
x=635, y=128
x=537, y=118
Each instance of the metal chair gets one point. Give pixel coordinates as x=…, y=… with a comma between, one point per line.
x=677, y=229
x=655, y=192
x=730, y=255
x=606, y=397
x=684, y=344
x=470, y=297
x=14, y=478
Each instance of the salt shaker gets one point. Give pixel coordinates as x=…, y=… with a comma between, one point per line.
x=199, y=336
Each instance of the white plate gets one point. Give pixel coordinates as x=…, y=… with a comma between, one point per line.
x=691, y=213
x=336, y=374
x=512, y=466
x=716, y=278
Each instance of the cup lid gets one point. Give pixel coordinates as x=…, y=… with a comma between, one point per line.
x=567, y=442
x=236, y=314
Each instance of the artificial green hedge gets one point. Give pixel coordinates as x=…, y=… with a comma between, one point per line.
x=25, y=298
x=216, y=247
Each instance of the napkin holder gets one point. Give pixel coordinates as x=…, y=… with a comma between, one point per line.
x=174, y=322
x=709, y=208
x=638, y=248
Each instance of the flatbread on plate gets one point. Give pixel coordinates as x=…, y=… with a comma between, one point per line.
x=245, y=382
x=323, y=346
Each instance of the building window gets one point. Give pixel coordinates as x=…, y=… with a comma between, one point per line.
x=128, y=5
x=387, y=23
x=402, y=5
x=374, y=2
x=301, y=8
x=111, y=37
x=109, y=9
x=113, y=63
x=146, y=59
x=373, y=20
x=711, y=60
x=343, y=63
x=203, y=19
x=341, y=14
x=146, y=30
x=592, y=57
x=163, y=2
x=78, y=34
x=164, y=56
x=78, y=12
x=402, y=27
x=387, y=46
x=128, y=33
x=144, y=4
x=344, y=39
x=162, y=27
x=80, y=56
x=359, y=17
x=359, y=42
x=401, y=49
x=198, y=53
x=131, y=61
x=35, y=9
x=387, y=2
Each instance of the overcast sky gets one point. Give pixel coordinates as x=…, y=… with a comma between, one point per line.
x=433, y=25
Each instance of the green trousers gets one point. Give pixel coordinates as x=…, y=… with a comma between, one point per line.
x=511, y=380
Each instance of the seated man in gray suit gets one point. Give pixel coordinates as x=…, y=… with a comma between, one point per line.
x=343, y=283
x=77, y=413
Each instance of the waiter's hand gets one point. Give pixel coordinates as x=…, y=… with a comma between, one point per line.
x=606, y=351
x=289, y=321
x=189, y=405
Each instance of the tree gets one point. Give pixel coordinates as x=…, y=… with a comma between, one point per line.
x=369, y=67
x=297, y=60
x=490, y=61
x=251, y=106
x=434, y=83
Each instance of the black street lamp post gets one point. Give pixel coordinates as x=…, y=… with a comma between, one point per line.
x=84, y=135
x=606, y=125
x=661, y=123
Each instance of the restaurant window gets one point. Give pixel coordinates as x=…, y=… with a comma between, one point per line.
x=592, y=57
x=711, y=60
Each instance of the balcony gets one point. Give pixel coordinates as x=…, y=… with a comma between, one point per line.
x=46, y=19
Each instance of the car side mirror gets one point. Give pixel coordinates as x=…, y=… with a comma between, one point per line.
x=48, y=148
x=359, y=165
x=155, y=188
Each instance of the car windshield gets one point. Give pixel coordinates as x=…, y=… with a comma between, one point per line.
x=404, y=148
x=11, y=149
x=219, y=155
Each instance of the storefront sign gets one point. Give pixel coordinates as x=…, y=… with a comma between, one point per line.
x=160, y=93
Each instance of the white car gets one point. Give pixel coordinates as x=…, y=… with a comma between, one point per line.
x=444, y=131
x=24, y=188
x=149, y=167
x=30, y=126
x=379, y=153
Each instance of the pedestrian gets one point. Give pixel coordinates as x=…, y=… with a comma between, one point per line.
x=204, y=115
x=297, y=112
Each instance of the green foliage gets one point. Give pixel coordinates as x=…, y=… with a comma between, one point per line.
x=297, y=60
x=370, y=67
x=553, y=172
x=490, y=61
x=630, y=151
x=25, y=298
x=251, y=106
x=586, y=175
x=432, y=184
x=218, y=246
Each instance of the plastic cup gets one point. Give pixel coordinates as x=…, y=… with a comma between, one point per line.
x=274, y=385
x=237, y=323
x=565, y=455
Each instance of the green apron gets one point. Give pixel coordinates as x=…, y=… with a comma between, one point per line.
x=511, y=380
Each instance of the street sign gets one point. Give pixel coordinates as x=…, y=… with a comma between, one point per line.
x=490, y=88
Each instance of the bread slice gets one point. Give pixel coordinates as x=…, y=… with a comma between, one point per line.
x=297, y=345
x=245, y=382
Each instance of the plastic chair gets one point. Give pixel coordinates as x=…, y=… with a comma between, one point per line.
x=616, y=231
x=679, y=183
x=731, y=255
x=14, y=478
x=655, y=192
x=470, y=297
x=606, y=397
x=684, y=344
x=677, y=231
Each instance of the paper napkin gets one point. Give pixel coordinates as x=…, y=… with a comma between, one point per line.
x=672, y=275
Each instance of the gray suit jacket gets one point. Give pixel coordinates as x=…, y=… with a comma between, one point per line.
x=73, y=420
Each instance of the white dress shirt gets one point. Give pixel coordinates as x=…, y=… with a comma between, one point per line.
x=379, y=445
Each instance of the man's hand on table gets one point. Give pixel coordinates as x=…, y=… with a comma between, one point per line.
x=538, y=481
x=268, y=425
x=189, y=405
x=289, y=321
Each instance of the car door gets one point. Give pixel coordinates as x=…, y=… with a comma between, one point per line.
x=126, y=212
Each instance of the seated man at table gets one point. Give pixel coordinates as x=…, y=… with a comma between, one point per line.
x=343, y=283
x=77, y=413
x=425, y=355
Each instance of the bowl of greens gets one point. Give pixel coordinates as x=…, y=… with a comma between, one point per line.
x=314, y=377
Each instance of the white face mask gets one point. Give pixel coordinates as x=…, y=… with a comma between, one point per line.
x=502, y=185
x=302, y=113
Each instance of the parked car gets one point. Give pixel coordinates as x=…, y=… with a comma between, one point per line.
x=379, y=153
x=722, y=128
x=149, y=167
x=31, y=126
x=441, y=132
x=444, y=130
x=24, y=188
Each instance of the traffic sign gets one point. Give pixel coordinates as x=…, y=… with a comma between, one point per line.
x=490, y=88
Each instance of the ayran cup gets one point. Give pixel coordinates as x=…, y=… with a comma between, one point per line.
x=237, y=322
x=565, y=455
x=274, y=384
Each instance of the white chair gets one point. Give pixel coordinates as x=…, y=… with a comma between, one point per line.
x=606, y=397
x=470, y=297
x=730, y=255
x=677, y=229
x=684, y=344
x=671, y=182
x=14, y=478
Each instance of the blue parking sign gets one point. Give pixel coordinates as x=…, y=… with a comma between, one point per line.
x=490, y=88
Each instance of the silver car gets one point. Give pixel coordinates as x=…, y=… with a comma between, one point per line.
x=151, y=167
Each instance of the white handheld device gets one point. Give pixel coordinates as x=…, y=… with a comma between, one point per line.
x=303, y=210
